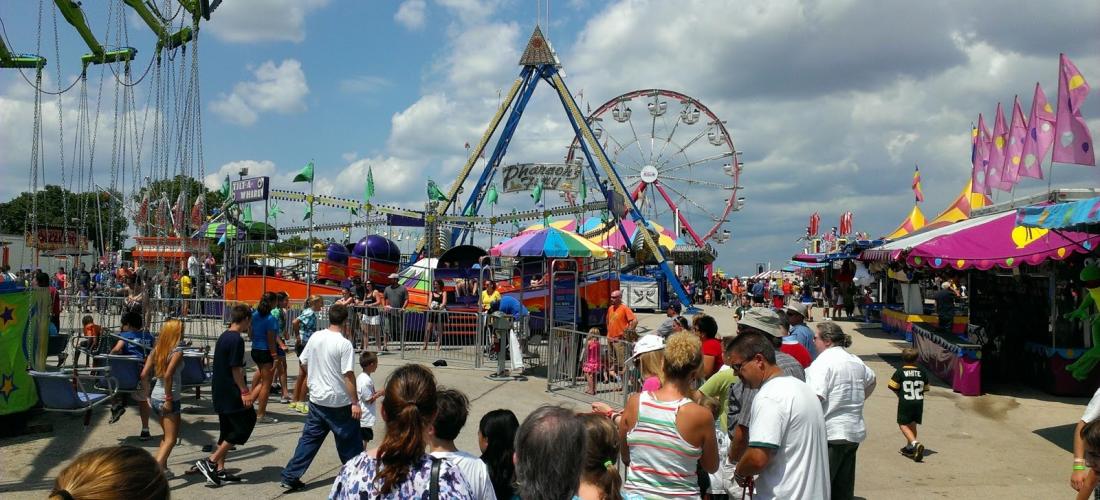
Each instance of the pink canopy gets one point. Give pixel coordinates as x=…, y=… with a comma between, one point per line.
x=996, y=240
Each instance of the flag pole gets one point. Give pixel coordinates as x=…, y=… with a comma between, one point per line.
x=309, y=268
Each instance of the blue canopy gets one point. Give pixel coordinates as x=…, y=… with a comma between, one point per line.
x=1070, y=215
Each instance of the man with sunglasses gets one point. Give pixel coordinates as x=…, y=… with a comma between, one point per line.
x=764, y=322
x=788, y=449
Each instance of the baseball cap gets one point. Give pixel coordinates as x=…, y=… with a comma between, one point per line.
x=393, y=276
x=763, y=319
x=675, y=306
x=647, y=343
x=797, y=307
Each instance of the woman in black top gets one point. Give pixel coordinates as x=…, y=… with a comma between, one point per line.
x=436, y=304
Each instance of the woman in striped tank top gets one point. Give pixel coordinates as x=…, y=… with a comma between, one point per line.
x=668, y=436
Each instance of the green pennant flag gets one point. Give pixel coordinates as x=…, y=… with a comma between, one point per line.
x=246, y=214
x=491, y=195
x=309, y=213
x=584, y=189
x=306, y=175
x=225, y=187
x=275, y=210
x=354, y=212
x=434, y=194
x=469, y=212
x=537, y=192
x=368, y=192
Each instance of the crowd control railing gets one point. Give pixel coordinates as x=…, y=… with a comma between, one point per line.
x=590, y=367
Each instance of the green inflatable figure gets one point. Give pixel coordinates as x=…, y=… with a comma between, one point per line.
x=1090, y=275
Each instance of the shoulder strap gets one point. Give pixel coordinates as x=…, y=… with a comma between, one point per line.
x=433, y=488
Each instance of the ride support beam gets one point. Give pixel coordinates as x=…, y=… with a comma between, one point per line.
x=683, y=220
x=474, y=201
x=159, y=26
x=9, y=60
x=72, y=13
x=592, y=147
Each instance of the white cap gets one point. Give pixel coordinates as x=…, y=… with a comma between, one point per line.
x=648, y=343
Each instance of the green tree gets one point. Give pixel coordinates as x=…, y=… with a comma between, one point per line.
x=56, y=207
x=170, y=189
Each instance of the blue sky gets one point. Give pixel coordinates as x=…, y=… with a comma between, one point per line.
x=831, y=102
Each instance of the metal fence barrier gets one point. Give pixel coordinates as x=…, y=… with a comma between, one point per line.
x=590, y=367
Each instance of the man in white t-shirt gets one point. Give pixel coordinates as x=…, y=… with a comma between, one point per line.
x=842, y=382
x=452, y=408
x=328, y=365
x=787, y=445
x=1083, y=479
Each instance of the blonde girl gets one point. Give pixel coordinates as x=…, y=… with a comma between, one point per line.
x=165, y=363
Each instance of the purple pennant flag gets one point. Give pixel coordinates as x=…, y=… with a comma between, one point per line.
x=977, y=173
x=1040, y=135
x=984, y=144
x=997, y=152
x=1074, y=143
x=1017, y=131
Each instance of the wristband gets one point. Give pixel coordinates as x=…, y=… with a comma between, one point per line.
x=244, y=391
x=1078, y=460
x=1080, y=467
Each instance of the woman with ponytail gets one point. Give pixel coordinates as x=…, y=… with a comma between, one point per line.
x=400, y=468
x=600, y=478
x=111, y=473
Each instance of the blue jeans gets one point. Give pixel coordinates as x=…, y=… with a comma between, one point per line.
x=319, y=421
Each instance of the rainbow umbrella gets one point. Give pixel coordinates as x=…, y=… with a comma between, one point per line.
x=564, y=225
x=613, y=238
x=550, y=242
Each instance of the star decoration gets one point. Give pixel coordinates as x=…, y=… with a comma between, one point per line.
x=7, y=386
x=7, y=316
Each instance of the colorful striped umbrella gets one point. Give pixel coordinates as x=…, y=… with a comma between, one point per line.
x=564, y=225
x=215, y=230
x=613, y=238
x=550, y=242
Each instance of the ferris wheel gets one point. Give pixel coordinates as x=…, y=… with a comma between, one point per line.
x=674, y=156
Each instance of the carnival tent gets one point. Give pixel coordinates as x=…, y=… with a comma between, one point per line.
x=913, y=222
x=984, y=242
x=548, y=243
x=415, y=277
x=1075, y=214
x=960, y=208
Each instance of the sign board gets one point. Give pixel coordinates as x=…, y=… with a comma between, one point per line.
x=565, y=299
x=554, y=176
x=55, y=238
x=251, y=189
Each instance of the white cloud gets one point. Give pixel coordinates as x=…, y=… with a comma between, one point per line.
x=363, y=84
x=279, y=88
x=411, y=14
x=248, y=21
x=350, y=156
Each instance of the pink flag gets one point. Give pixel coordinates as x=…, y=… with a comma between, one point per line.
x=1074, y=144
x=977, y=173
x=997, y=152
x=985, y=143
x=1017, y=131
x=1040, y=135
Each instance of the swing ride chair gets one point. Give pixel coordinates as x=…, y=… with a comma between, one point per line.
x=67, y=391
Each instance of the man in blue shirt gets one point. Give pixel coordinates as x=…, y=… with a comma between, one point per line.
x=512, y=306
x=134, y=342
x=796, y=315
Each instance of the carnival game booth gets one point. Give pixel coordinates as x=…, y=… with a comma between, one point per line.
x=1013, y=274
x=1064, y=366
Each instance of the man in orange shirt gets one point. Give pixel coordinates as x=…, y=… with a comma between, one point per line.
x=621, y=323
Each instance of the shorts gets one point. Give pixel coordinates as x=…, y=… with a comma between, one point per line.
x=236, y=427
x=262, y=357
x=279, y=352
x=157, y=403
x=366, y=433
x=910, y=414
x=372, y=320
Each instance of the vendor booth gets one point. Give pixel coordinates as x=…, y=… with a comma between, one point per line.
x=1020, y=282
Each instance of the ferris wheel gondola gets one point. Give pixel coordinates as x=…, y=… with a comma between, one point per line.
x=675, y=157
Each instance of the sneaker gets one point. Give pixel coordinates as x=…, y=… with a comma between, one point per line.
x=267, y=420
x=144, y=436
x=117, y=410
x=918, y=452
x=292, y=484
x=284, y=401
x=209, y=471
x=906, y=450
x=227, y=477
x=303, y=408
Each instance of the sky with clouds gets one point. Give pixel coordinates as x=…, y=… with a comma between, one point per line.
x=831, y=102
